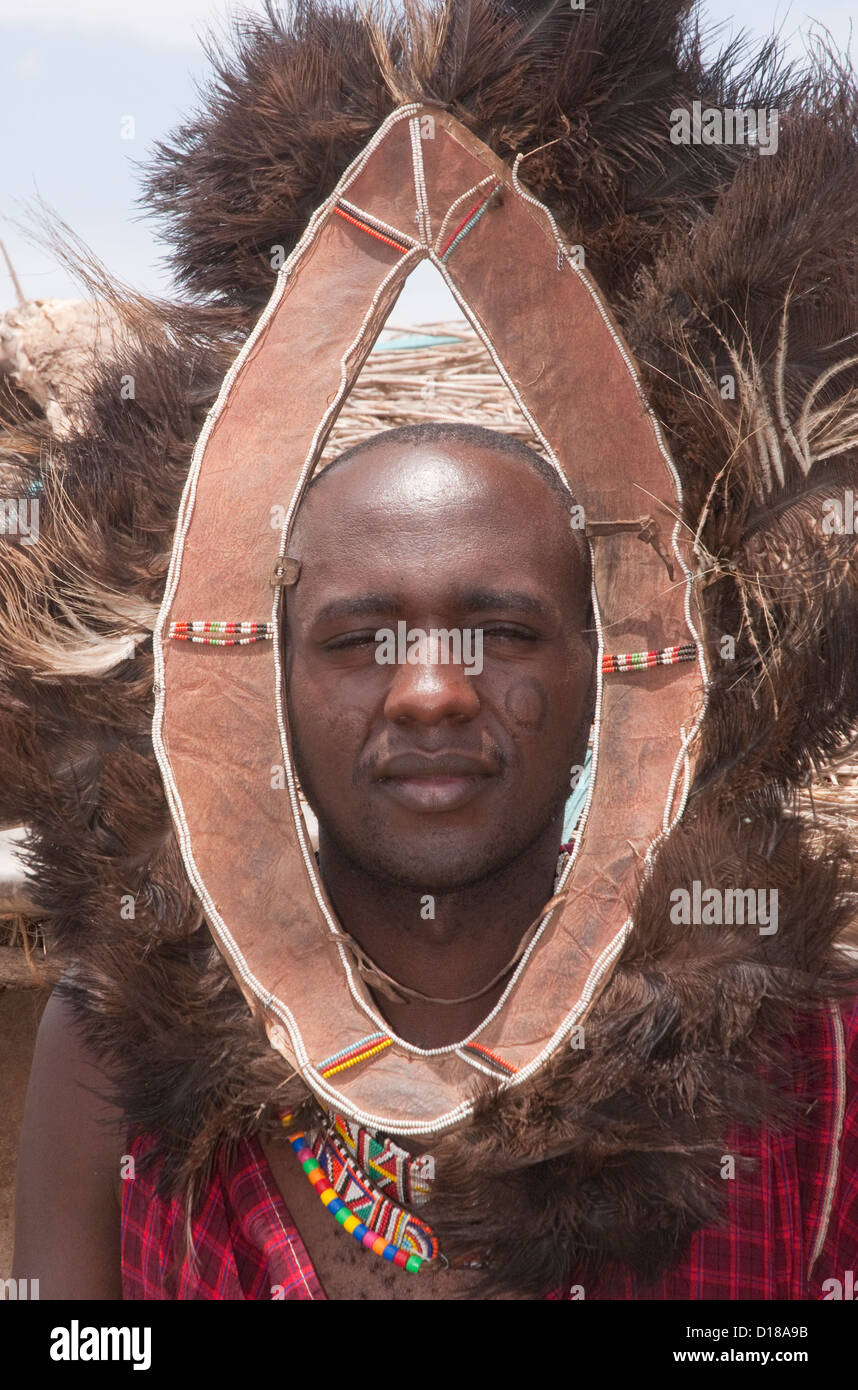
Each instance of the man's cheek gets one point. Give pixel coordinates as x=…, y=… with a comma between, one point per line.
x=526, y=703
x=330, y=740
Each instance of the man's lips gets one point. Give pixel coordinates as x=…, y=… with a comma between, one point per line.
x=442, y=782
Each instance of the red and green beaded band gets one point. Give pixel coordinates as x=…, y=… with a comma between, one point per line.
x=470, y=220
x=641, y=661
x=214, y=633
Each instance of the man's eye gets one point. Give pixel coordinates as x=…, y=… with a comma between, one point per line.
x=508, y=630
x=351, y=640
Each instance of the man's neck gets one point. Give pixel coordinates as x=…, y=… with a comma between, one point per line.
x=473, y=934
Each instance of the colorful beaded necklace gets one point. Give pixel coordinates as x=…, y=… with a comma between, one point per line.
x=368, y=1212
x=366, y=1181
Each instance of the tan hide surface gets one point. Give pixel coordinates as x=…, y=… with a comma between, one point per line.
x=216, y=727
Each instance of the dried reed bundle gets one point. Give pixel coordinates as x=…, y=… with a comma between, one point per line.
x=410, y=378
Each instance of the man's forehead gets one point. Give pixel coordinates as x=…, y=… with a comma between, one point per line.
x=392, y=483
x=478, y=531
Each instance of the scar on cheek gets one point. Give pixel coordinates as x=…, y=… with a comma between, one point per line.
x=527, y=703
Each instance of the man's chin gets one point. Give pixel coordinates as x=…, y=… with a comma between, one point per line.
x=432, y=869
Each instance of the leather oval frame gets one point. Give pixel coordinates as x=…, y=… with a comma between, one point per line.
x=221, y=726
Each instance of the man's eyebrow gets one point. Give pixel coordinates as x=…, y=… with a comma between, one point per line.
x=361, y=606
x=470, y=600
x=501, y=600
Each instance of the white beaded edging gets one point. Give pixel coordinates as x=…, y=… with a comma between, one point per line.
x=276, y=1006
x=448, y=215
x=182, y=527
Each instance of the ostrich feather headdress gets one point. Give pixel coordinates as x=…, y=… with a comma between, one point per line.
x=704, y=364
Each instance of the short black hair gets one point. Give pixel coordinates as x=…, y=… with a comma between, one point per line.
x=458, y=432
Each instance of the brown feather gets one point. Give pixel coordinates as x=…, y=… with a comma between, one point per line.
x=714, y=259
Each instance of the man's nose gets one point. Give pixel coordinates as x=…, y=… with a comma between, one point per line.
x=429, y=692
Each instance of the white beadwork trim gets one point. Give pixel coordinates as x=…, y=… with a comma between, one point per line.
x=610, y=952
x=274, y=1005
x=686, y=737
x=189, y=491
x=182, y=527
x=477, y=1065
x=377, y=222
x=630, y=367
x=448, y=215
x=833, y=1174
x=424, y=220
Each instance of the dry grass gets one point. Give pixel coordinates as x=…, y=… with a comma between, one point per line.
x=443, y=381
x=833, y=795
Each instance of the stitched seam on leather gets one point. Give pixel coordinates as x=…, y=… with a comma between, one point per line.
x=423, y=218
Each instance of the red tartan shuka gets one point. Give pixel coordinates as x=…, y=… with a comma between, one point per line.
x=791, y=1227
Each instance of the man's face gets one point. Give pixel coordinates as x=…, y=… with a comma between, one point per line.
x=422, y=773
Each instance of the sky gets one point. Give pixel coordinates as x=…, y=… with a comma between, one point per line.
x=89, y=85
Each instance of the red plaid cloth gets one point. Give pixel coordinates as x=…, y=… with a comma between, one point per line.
x=246, y=1245
x=802, y=1194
